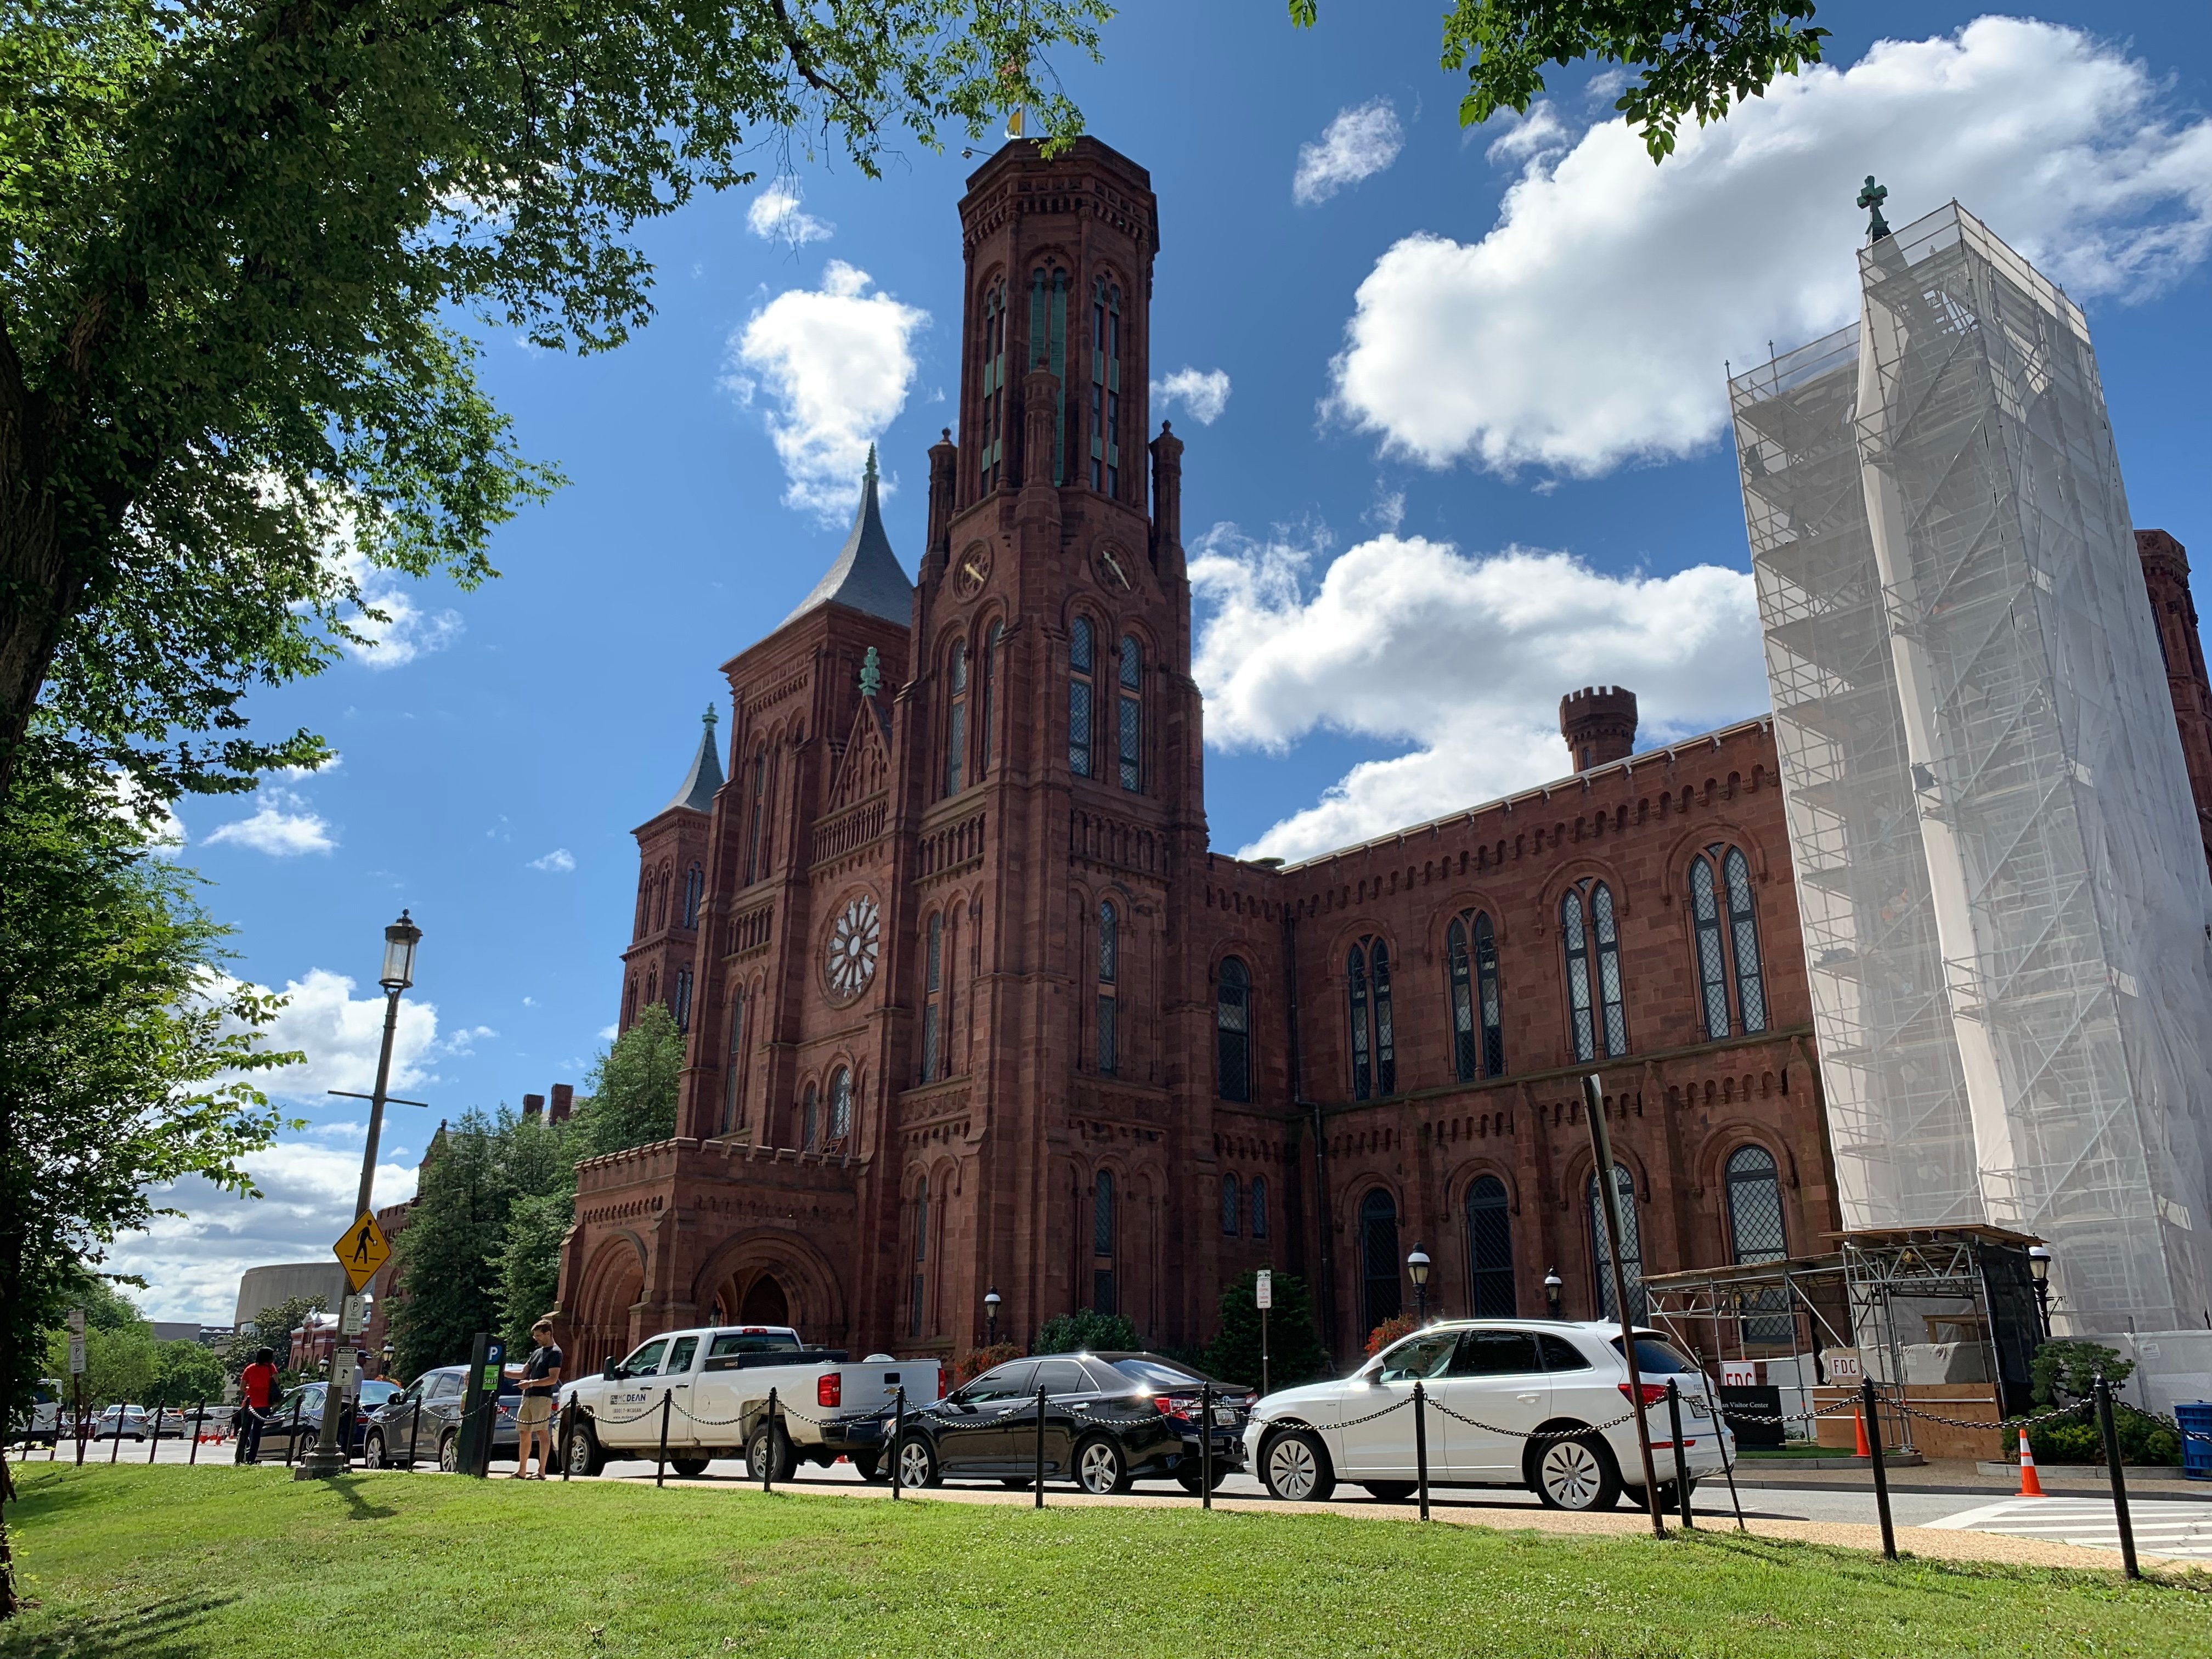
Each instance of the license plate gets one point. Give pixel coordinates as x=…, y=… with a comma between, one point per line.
x=1225, y=1416
x=1699, y=1408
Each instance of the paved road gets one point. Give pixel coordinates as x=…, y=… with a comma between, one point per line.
x=2170, y=1523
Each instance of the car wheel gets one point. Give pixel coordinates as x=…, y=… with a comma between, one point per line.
x=690, y=1468
x=1101, y=1467
x=583, y=1455
x=307, y=1439
x=1390, y=1491
x=1192, y=1476
x=372, y=1453
x=768, y=1454
x=1576, y=1474
x=916, y=1463
x=1295, y=1468
x=449, y=1453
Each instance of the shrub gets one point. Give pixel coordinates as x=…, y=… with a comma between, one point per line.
x=1295, y=1353
x=2065, y=1373
x=1087, y=1329
x=976, y=1361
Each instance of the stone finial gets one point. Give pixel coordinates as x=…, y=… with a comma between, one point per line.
x=872, y=673
x=1871, y=196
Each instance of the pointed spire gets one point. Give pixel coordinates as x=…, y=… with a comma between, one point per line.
x=705, y=777
x=866, y=576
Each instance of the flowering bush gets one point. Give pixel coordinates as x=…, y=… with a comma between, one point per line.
x=1389, y=1332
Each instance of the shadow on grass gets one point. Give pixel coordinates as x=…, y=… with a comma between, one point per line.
x=164, y=1629
x=348, y=1488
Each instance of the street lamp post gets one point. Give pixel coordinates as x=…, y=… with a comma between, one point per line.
x=329, y=1457
x=1417, y=1265
x=2038, y=1270
x=1553, y=1285
x=991, y=1318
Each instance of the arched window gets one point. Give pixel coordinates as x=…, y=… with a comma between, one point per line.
x=757, y=841
x=1755, y=1234
x=1232, y=1207
x=1110, y=951
x=1726, y=922
x=991, y=456
x=921, y=1257
x=811, y=1127
x=695, y=889
x=1080, y=658
x=931, y=1014
x=1743, y=936
x=1048, y=349
x=660, y=898
x=1489, y=1007
x=1259, y=1206
x=1133, y=714
x=1105, y=386
x=1378, y=1257
x=652, y=986
x=1631, y=1247
x=955, y=721
x=1232, y=1031
x=1374, y=1047
x=1102, y=1243
x=1594, y=1012
x=644, y=904
x=990, y=698
x=1490, y=1250
x=680, y=1003
x=840, y=1106
x=630, y=1007
x=730, y=1066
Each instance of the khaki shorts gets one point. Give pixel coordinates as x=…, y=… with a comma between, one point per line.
x=535, y=1412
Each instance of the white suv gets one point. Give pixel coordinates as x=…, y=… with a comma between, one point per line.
x=1492, y=1386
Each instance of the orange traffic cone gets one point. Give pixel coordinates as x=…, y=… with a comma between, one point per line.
x=1858, y=1422
x=2029, y=1485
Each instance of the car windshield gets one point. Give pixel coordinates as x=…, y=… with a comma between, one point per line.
x=1422, y=1356
x=1656, y=1357
x=1153, y=1374
x=375, y=1393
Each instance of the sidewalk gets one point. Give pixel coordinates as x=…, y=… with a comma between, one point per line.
x=1962, y=1476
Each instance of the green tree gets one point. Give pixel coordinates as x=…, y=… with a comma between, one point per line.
x=119, y=1362
x=272, y=1328
x=631, y=1089
x=2065, y=1373
x=449, y=1255
x=185, y=1375
x=1696, y=56
x=1088, y=1328
x=244, y=237
x=530, y=1261
x=1295, y=1353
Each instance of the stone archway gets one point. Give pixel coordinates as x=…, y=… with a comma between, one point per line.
x=764, y=1303
x=770, y=1276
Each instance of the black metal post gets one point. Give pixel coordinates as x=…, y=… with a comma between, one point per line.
x=2119, y=1481
x=154, y=1447
x=898, y=1433
x=115, y=1445
x=568, y=1421
x=292, y=1434
x=768, y=1462
x=1040, y=1448
x=660, y=1457
x=199, y=1421
x=1681, y=1455
x=1601, y=1150
x=78, y=1379
x=1872, y=1407
x=414, y=1428
x=1206, y=1445
x=1421, y=1444
x=1263, y=1353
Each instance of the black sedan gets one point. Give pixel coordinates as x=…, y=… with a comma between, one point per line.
x=1103, y=1428
x=296, y=1424
x=1180, y=1389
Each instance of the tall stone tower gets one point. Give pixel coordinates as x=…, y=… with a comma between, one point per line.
x=2181, y=651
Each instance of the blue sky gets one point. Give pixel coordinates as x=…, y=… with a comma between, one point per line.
x=1470, y=456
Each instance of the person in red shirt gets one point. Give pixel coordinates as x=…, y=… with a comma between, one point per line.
x=257, y=1386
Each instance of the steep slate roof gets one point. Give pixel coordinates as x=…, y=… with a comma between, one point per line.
x=705, y=777
x=866, y=576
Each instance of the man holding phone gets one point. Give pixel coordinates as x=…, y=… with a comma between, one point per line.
x=541, y=1381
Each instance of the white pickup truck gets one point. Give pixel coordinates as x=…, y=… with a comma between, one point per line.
x=716, y=1381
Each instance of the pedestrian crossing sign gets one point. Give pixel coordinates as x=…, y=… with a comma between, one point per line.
x=361, y=1249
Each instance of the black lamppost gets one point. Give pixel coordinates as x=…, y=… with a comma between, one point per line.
x=991, y=1318
x=1553, y=1285
x=400, y=938
x=1418, y=1264
x=2038, y=1270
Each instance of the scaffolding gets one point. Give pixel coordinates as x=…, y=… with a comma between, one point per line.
x=2006, y=916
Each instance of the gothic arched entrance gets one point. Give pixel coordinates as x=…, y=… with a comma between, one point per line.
x=764, y=1304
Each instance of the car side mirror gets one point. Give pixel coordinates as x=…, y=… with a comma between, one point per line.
x=612, y=1370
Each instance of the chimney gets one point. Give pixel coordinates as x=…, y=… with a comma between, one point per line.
x=564, y=1097
x=532, y=1105
x=1599, y=723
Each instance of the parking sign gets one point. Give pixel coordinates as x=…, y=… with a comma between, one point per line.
x=1264, y=1289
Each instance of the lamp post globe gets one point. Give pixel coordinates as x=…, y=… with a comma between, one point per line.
x=2038, y=1274
x=399, y=942
x=991, y=1317
x=1417, y=1267
x=1553, y=1285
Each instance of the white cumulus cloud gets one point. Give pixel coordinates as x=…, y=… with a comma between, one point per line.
x=1204, y=393
x=1460, y=657
x=339, y=1035
x=835, y=363
x=559, y=861
x=282, y=825
x=774, y=216
x=1358, y=144
x=1589, y=327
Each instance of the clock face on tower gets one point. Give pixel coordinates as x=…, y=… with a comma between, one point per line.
x=854, y=943
x=971, y=570
x=1113, y=569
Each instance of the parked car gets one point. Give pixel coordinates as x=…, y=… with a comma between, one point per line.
x=423, y=1420
x=124, y=1423
x=304, y=1422
x=1105, y=1425
x=1180, y=1387
x=717, y=1380
x=1516, y=1378
x=38, y=1425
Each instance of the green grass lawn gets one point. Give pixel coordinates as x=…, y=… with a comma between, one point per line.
x=170, y=1563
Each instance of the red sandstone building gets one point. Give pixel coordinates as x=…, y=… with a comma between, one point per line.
x=971, y=1005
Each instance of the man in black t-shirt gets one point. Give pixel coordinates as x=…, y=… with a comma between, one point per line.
x=541, y=1379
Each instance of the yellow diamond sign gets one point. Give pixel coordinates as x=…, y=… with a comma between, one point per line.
x=362, y=1249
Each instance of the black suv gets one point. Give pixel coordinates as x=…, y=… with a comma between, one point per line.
x=1105, y=1424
